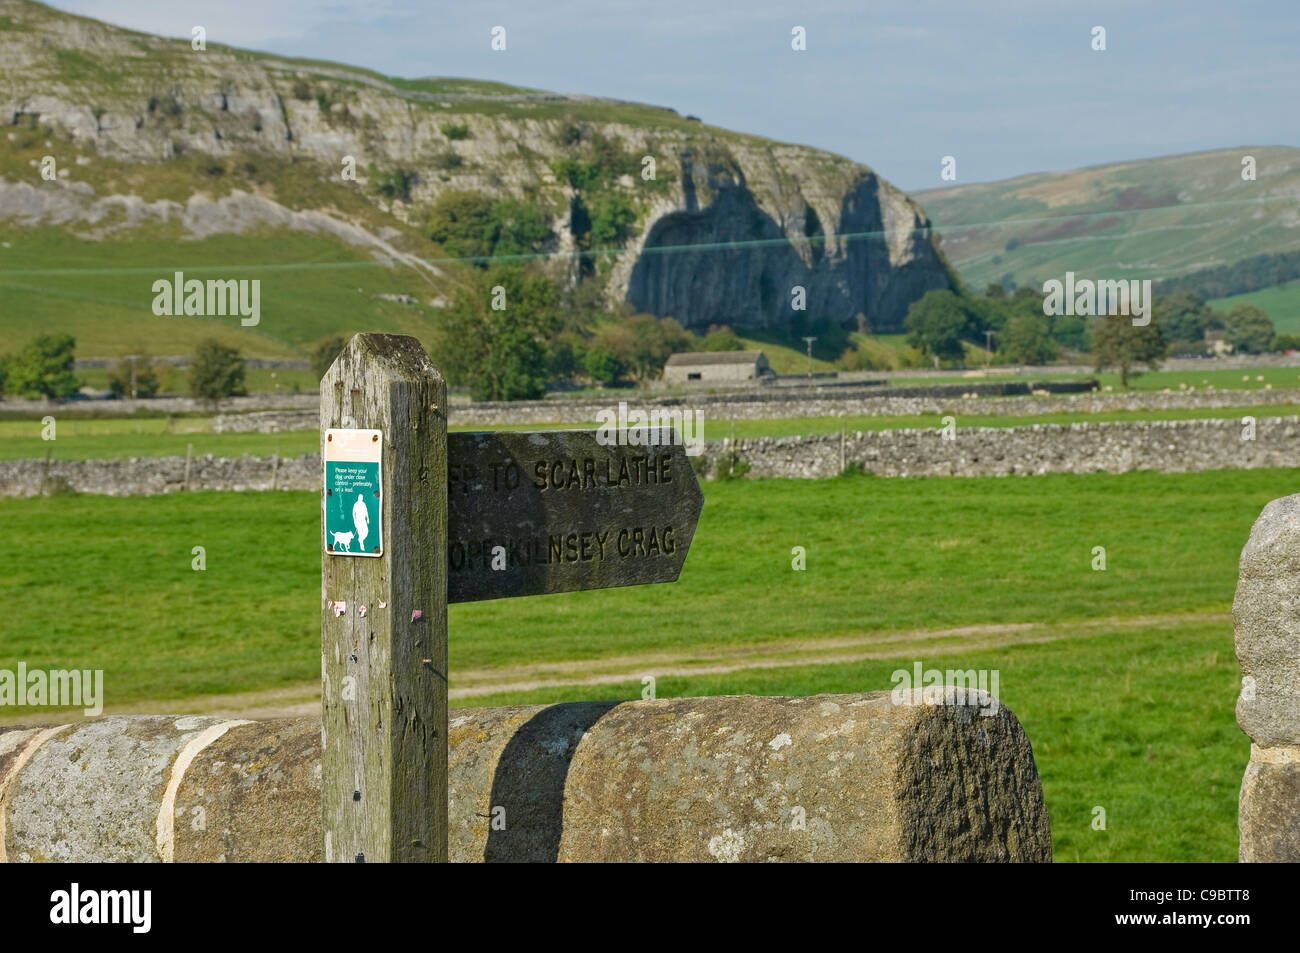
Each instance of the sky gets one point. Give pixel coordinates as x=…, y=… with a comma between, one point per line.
x=1006, y=87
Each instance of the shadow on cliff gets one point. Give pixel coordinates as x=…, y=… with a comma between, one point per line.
x=733, y=263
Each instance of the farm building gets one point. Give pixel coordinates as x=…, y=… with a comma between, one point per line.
x=1216, y=343
x=716, y=367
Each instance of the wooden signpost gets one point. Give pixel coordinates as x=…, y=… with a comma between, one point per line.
x=557, y=511
x=462, y=517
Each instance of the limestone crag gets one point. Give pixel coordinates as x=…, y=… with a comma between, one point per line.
x=766, y=216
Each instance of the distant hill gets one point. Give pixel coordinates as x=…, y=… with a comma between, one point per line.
x=1189, y=219
x=226, y=163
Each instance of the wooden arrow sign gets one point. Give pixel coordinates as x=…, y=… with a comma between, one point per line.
x=531, y=512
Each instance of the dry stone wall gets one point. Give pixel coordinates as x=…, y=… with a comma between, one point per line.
x=717, y=409
x=149, y=476
x=1168, y=446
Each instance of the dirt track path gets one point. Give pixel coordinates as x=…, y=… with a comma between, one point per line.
x=303, y=699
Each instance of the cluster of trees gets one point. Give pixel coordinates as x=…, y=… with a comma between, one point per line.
x=475, y=226
x=1184, y=318
x=943, y=323
x=1249, y=274
x=509, y=331
x=478, y=227
x=44, y=368
x=511, y=352
x=601, y=216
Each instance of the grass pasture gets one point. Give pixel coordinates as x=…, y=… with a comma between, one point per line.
x=1124, y=679
x=1280, y=302
x=1254, y=378
x=124, y=437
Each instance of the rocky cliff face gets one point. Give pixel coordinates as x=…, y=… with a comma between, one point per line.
x=726, y=230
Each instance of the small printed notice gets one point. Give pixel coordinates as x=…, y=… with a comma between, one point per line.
x=353, y=492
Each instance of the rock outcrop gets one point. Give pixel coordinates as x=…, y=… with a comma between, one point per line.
x=758, y=217
x=1266, y=612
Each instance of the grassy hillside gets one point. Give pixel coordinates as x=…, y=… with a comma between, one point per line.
x=1150, y=218
x=1281, y=303
x=100, y=291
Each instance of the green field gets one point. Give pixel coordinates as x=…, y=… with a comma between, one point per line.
x=257, y=380
x=1124, y=679
x=122, y=438
x=1281, y=303
x=101, y=293
x=1254, y=378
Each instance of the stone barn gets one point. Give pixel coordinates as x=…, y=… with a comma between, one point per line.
x=716, y=367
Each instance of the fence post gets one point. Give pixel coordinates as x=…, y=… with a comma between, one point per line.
x=384, y=666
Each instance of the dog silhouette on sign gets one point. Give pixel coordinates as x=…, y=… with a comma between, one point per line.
x=342, y=540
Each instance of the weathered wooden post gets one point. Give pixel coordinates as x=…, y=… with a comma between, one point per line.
x=384, y=603
x=413, y=519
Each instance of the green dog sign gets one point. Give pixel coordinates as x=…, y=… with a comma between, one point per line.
x=354, y=492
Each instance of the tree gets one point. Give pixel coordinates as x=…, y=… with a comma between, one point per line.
x=461, y=222
x=652, y=341
x=567, y=355
x=1118, y=343
x=984, y=313
x=1026, y=340
x=44, y=368
x=1283, y=342
x=472, y=225
x=134, y=376
x=5, y=359
x=519, y=228
x=1071, y=330
x=500, y=354
x=619, y=340
x=324, y=354
x=721, y=338
x=610, y=217
x=603, y=364
x=1249, y=329
x=216, y=372
x=1184, y=317
x=935, y=323
x=832, y=337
